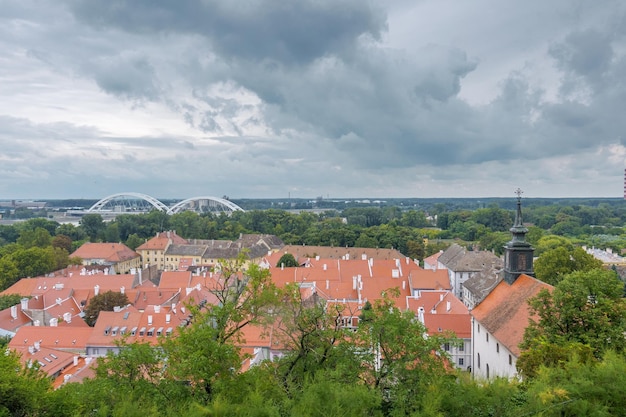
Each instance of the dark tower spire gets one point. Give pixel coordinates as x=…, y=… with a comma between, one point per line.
x=518, y=254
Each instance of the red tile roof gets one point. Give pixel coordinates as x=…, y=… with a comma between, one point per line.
x=505, y=312
x=442, y=312
x=62, y=338
x=51, y=361
x=109, y=252
x=11, y=324
x=428, y=279
x=161, y=241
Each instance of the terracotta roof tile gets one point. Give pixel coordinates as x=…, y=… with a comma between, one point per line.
x=428, y=279
x=505, y=312
x=110, y=252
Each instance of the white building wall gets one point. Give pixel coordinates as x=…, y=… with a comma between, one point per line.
x=461, y=354
x=490, y=358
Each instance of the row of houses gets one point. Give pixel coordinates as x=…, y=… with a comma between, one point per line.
x=475, y=295
x=169, y=252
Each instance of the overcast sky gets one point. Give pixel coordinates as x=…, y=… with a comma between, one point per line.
x=307, y=98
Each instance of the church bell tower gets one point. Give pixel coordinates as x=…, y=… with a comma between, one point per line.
x=518, y=254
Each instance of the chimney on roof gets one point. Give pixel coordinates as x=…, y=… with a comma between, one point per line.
x=168, y=318
x=420, y=314
x=149, y=320
x=67, y=317
x=24, y=303
x=54, y=322
x=327, y=284
x=122, y=290
x=354, y=282
x=157, y=309
x=36, y=323
x=447, y=305
x=76, y=360
x=14, y=312
x=325, y=267
x=96, y=290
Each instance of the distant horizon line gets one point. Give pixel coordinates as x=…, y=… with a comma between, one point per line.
x=334, y=198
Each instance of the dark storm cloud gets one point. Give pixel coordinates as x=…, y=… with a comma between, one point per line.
x=291, y=32
x=312, y=94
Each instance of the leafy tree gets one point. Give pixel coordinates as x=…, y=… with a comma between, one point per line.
x=204, y=351
x=365, y=241
x=552, y=242
x=495, y=218
x=287, y=261
x=414, y=249
x=494, y=241
x=401, y=363
x=63, y=242
x=134, y=241
x=71, y=231
x=39, y=222
x=9, y=300
x=38, y=237
x=534, y=234
x=105, y=301
x=316, y=341
x=578, y=388
x=8, y=272
x=8, y=234
x=111, y=233
x=414, y=218
x=554, y=264
x=22, y=389
x=585, y=307
x=93, y=225
x=33, y=262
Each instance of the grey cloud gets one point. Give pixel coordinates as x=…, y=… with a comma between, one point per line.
x=288, y=32
x=127, y=76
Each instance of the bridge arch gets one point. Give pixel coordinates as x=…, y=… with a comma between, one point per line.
x=123, y=198
x=205, y=204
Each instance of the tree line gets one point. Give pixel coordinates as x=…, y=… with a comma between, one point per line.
x=40, y=245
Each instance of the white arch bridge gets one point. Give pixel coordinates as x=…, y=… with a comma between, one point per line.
x=124, y=203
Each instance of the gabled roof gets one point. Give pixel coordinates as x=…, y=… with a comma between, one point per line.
x=442, y=312
x=11, y=324
x=51, y=361
x=61, y=337
x=429, y=279
x=186, y=250
x=505, y=313
x=329, y=252
x=456, y=258
x=268, y=242
x=148, y=326
x=109, y=252
x=432, y=259
x=175, y=279
x=161, y=241
x=481, y=283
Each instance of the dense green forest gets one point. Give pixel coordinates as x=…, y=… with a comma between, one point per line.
x=330, y=371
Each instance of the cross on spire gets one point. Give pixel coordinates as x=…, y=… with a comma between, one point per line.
x=519, y=193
